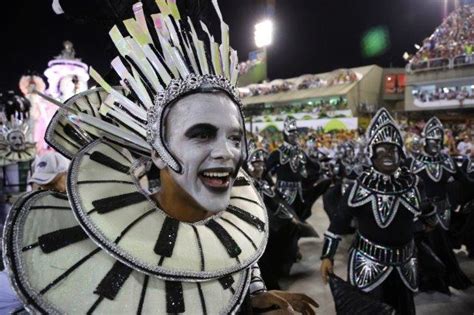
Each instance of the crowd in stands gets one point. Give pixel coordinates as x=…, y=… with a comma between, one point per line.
x=246, y=66
x=453, y=39
x=311, y=139
x=458, y=138
x=318, y=108
x=309, y=81
x=451, y=93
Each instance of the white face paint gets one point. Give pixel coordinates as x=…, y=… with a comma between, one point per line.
x=204, y=132
x=16, y=140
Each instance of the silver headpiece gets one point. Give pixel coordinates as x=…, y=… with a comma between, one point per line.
x=433, y=129
x=256, y=154
x=289, y=125
x=14, y=136
x=383, y=129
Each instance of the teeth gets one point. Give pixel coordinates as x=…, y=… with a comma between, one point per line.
x=216, y=174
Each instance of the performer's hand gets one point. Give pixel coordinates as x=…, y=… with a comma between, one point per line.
x=288, y=303
x=326, y=269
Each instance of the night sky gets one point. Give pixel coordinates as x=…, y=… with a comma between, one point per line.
x=311, y=36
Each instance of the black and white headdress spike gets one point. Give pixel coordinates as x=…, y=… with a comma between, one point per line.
x=161, y=60
x=383, y=129
x=433, y=129
x=15, y=125
x=289, y=125
x=381, y=117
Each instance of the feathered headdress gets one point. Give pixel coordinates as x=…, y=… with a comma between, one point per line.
x=162, y=59
x=14, y=146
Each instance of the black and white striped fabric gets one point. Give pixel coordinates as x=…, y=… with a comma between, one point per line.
x=106, y=199
x=57, y=269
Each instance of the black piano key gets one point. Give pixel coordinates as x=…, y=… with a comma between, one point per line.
x=229, y=243
x=113, y=281
x=53, y=241
x=241, y=181
x=167, y=238
x=117, y=202
x=174, y=297
x=247, y=217
x=103, y=159
x=226, y=282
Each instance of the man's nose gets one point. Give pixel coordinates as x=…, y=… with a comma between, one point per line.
x=221, y=150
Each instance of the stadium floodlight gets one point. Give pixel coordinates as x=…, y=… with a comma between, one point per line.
x=263, y=33
x=418, y=47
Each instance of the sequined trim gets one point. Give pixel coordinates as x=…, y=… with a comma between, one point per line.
x=164, y=272
x=434, y=166
x=409, y=274
x=331, y=243
x=293, y=155
x=364, y=273
x=384, y=204
x=108, y=288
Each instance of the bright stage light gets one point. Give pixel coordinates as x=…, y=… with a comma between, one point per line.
x=263, y=33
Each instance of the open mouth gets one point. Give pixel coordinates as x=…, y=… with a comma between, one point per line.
x=387, y=162
x=217, y=179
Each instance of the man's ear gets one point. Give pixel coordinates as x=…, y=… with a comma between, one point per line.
x=157, y=160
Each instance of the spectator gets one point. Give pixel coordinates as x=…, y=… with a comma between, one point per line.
x=453, y=39
x=50, y=172
x=465, y=146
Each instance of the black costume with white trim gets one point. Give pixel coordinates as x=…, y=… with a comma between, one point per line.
x=385, y=207
x=345, y=171
x=438, y=172
x=462, y=222
x=294, y=170
x=282, y=247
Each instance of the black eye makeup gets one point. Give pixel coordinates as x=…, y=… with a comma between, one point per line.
x=201, y=131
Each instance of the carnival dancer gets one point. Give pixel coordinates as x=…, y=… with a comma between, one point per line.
x=345, y=171
x=295, y=173
x=415, y=145
x=438, y=171
x=285, y=227
x=187, y=244
x=462, y=221
x=16, y=157
x=385, y=200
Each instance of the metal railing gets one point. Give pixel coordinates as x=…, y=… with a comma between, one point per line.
x=440, y=63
